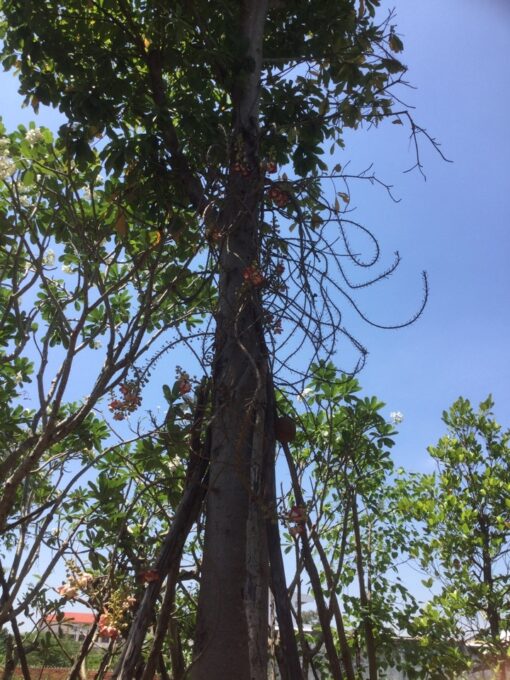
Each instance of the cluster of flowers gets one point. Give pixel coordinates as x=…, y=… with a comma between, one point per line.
x=243, y=169
x=280, y=286
x=149, y=576
x=297, y=516
x=275, y=324
x=183, y=382
x=34, y=135
x=241, y=163
x=75, y=583
x=107, y=627
x=23, y=198
x=253, y=276
x=279, y=197
x=129, y=401
x=113, y=618
x=214, y=235
x=304, y=394
x=112, y=622
x=49, y=258
x=88, y=189
x=7, y=165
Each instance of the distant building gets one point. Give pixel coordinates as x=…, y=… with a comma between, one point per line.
x=74, y=625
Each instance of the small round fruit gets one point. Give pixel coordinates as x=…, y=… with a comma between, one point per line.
x=285, y=430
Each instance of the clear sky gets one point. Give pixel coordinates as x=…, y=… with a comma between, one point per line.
x=454, y=225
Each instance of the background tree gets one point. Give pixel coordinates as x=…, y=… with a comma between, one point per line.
x=195, y=111
x=464, y=510
x=341, y=462
x=86, y=301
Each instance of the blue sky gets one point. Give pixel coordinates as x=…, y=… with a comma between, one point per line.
x=454, y=225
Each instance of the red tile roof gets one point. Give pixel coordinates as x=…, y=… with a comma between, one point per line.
x=72, y=617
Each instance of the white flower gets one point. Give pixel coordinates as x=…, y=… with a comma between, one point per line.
x=87, y=194
x=49, y=258
x=34, y=135
x=7, y=167
x=24, y=201
x=96, y=344
x=174, y=465
x=304, y=394
x=396, y=417
x=4, y=145
x=67, y=269
x=18, y=378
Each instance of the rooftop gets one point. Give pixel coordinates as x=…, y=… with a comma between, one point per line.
x=72, y=617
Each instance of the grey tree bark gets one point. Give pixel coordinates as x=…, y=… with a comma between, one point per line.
x=232, y=620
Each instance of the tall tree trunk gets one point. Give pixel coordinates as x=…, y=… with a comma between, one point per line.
x=20, y=647
x=492, y=609
x=363, y=596
x=488, y=579
x=313, y=574
x=9, y=659
x=162, y=626
x=232, y=626
x=78, y=670
x=186, y=515
x=334, y=606
x=288, y=657
x=176, y=655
